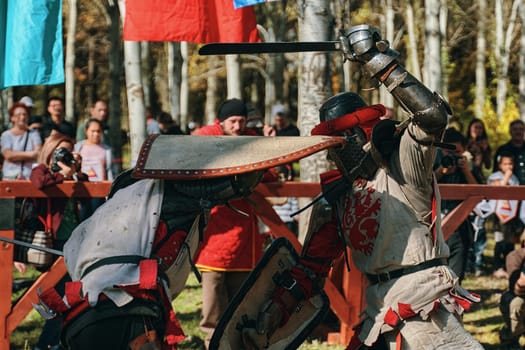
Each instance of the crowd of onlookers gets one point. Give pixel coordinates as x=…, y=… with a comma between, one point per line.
x=31, y=145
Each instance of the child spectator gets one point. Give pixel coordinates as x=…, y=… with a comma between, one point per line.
x=503, y=235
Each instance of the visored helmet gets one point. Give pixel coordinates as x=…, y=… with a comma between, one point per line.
x=347, y=114
x=339, y=105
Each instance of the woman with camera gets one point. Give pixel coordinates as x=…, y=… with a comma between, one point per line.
x=57, y=163
x=97, y=161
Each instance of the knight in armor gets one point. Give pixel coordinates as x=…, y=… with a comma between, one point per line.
x=127, y=268
x=383, y=203
x=132, y=257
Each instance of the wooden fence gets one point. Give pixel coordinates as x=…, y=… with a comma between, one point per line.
x=345, y=290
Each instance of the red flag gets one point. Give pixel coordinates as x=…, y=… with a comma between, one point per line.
x=198, y=21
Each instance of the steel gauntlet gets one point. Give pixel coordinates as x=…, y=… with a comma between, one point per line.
x=428, y=109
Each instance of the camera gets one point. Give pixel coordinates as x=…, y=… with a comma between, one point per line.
x=450, y=160
x=62, y=155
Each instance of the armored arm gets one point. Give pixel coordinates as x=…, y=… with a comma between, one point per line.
x=428, y=110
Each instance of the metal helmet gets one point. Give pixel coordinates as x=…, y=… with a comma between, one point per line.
x=339, y=105
x=350, y=157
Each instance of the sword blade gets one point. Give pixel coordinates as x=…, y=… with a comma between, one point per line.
x=275, y=47
x=32, y=246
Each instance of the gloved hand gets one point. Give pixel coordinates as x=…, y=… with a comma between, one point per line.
x=273, y=314
x=268, y=320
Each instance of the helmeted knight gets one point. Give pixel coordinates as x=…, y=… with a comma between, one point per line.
x=383, y=203
x=133, y=255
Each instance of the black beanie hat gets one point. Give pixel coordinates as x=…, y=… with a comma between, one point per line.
x=232, y=107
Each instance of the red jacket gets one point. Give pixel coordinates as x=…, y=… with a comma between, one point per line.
x=231, y=241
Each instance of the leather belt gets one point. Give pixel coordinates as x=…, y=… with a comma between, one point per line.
x=387, y=276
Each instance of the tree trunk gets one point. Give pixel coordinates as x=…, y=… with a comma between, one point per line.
x=521, y=98
x=115, y=84
x=414, y=66
x=443, y=18
x=70, y=63
x=211, y=91
x=135, y=93
x=503, y=51
x=146, y=72
x=90, y=93
x=432, y=71
x=481, y=78
x=233, y=76
x=385, y=97
x=174, y=78
x=184, y=87
x=314, y=85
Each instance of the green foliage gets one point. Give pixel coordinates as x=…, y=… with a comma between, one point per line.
x=498, y=129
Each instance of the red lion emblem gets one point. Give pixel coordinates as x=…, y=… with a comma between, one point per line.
x=360, y=222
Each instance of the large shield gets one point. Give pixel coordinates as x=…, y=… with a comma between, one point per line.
x=258, y=288
x=203, y=157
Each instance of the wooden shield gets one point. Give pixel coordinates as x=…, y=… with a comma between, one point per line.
x=258, y=288
x=175, y=157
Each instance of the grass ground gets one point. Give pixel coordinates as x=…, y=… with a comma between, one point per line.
x=483, y=320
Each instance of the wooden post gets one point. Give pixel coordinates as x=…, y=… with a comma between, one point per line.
x=7, y=224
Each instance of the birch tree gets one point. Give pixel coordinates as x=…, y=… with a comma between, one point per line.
x=233, y=76
x=115, y=85
x=481, y=47
x=521, y=87
x=211, y=90
x=146, y=72
x=174, y=77
x=135, y=93
x=502, y=50
x=414, y=66
x=314, y=82
x=184, y=86
x=444, y=62
x=70, y=62
x=432, y=67
x=385, y=97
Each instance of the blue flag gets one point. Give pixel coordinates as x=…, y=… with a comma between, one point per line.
x=241, y=3
x=31, y=50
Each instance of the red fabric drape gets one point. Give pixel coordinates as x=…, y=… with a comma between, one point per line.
x=197, y=21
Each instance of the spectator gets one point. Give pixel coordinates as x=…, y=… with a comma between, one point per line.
x=478, y=146
x=35, y=121
x=28, y=101
x=98, y=111
x=55, y=119
x=282, y=123
x=512, y=302
x=97, y=161
x=167, y=126
x=20, y=146
x=504, y=234
x=454, y=168
x=64, y=213
x=516, y=146
x=152, y=126
x=231, y=244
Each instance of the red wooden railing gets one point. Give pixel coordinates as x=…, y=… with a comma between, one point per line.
x=344, y=291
